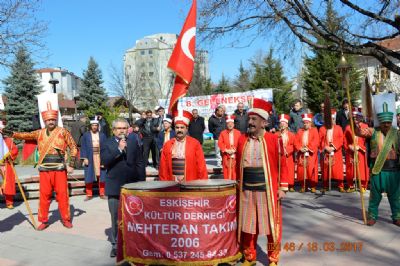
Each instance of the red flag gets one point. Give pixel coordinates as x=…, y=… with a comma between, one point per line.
x=182, y=58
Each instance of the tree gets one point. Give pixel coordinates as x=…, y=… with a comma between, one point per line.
x=197, y=85
x=361, y=33
x=120, y=88
x=320, y=72
x=242, y=81
x=92, y=96
x=200, y=85
x=268, y=73
x=18, y=26
x=21, y=89
x=223, y=85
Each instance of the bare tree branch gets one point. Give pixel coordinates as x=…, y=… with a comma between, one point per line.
x=372, y=15
x=19, y=27
x=360, y=32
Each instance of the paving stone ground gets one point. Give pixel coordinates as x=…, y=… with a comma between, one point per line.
x=312, y=225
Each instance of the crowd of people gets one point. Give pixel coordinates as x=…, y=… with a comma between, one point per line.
x=264, y=153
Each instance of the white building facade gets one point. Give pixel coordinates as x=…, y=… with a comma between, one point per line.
x=377, y=74
x=69, y=84
x=147, y=77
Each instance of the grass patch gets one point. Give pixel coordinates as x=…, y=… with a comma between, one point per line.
x=208, y=147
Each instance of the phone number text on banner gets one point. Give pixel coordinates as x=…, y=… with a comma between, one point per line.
x=179, y=228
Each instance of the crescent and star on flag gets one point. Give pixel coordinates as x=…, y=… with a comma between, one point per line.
x=181, y=61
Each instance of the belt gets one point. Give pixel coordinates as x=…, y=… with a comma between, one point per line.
x=254, y=179
x=53, y=159
x=178, y=166
x=52, y=163
x=390, y=165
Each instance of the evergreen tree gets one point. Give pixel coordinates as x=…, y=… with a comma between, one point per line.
x=208, y=87
x=199, y=85
x=21, y=89
x=92, y=96
x=269, y=74
x=242, y=82
x=223, y=85
x=321, y=67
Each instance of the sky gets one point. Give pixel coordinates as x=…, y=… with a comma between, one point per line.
x=104, y=29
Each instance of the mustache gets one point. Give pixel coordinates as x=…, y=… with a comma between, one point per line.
x=252, y=126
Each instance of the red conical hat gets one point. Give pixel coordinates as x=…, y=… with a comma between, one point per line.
x=182, y=117
x=307, y=117
x=261, y=108
x=284, y=118
x=50, y=114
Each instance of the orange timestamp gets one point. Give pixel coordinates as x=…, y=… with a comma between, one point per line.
x=327, y=246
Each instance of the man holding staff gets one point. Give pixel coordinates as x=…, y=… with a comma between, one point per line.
x=356, y=169
x=53, y=142
x=261, y=186
x=306, y=144
x=7, y=172
x=287, y=138
x=228, y=141
x=331, y=142
x=385, y=166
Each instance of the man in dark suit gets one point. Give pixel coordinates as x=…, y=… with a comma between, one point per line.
x=197, y=126
x=342, y=117
x=123, y=160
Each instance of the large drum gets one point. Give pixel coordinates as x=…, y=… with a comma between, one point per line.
x=208, y=185
x=162, y=186
x=193, y=223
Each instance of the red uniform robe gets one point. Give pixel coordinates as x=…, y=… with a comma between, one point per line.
x=228, y=160
x=362, y=157
x=195, y=164
x=274, y=182
x=288, y=150
x=311, y=160
x=337, y=159
x=8, y=173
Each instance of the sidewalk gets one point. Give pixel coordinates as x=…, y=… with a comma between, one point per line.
x=307, y=219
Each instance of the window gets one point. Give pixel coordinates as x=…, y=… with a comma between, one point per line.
x=142, y=52
x=150, y=51
x=151, y=74
x=143, y=64
x=151, y=64
x=385, y=74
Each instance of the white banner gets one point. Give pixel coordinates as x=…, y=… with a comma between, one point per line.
x=43, y=99
x=1, y=102
x=206, y=104
x=390, y=100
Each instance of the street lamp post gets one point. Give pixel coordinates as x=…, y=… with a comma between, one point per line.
x=54, y=82
x=344, y=69
x=76, y=99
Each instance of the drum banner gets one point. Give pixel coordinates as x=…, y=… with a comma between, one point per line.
x=178, y=228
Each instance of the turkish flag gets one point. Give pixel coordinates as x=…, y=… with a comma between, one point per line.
x=182, y=58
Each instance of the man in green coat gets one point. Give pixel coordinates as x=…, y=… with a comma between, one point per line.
x=385, y=165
